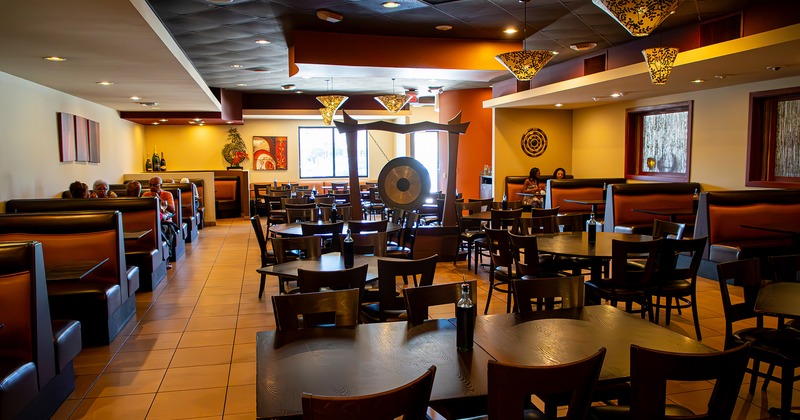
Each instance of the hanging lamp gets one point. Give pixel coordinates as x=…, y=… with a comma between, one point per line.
x=393, y=102
x=659, y=63
x=638, y=17
x=526, y=63
x=331, y=103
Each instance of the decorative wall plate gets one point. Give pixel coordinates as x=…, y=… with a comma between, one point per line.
x=534, y=142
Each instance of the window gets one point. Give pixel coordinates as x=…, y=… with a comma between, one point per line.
x=774, y=139
x=426, y=151
x=658, y=142
x=323, y=153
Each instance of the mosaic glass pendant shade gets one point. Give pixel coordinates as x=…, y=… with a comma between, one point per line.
x=393, y=103
x=525, y=64
x=638, y=17
x=659, y=62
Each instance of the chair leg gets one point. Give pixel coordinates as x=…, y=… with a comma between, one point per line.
x=261, y=285
x=787, y=382
x=754, y=376
x=491, y=288
x=770, y=371
x=669, y=310
x=696, y=317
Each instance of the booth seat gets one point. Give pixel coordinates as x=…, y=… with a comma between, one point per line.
x=721, y=214
x=189, y=213
x=177, y=218
x=226, y=192
x=514, y=183
x=36, y=353
x=148, y=253
x=622, y=199
x=558, y=190
x=103, y=301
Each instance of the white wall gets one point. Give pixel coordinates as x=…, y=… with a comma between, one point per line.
x=29, y=158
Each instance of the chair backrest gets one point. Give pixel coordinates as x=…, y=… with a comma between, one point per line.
x=747, y=275
x=410, y=231
x=419, y=299
x=310, y=247
x=289, y=308
x=344, y=213
x=261, y=191
x=510, y=386
x=303, y=214
x=667, y=230
x=367, y=243
x=310, y=281
x=622, y=276
x=512, y=205
x=651, y=369
x=536, y=225
x=505, y=218
x=409, y=401
x=329, y=232
x=525, y=252
x=541, y=293
x=324, y=199
x=545, y=212
x=486, y=203
x=500, y=248
x=260, y=237
x=389, y=270
x=667, y=267
x=468, y=208
x=295, y=200
x=358, y=226
x=785, y=267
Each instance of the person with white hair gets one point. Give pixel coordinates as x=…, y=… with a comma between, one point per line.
x=100, y=189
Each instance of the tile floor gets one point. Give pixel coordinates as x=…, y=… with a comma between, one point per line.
x=189, y=352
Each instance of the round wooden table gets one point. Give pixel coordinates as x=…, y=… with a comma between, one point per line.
x=576, y=244
x=294, y=229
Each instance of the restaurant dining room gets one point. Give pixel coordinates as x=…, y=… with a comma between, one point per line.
x=418, y=209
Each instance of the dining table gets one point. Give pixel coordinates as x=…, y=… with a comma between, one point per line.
x=295, y=229
x=671, y=213
x=72, y=271
x=587, y=202
x=332, y=261
x=777, y=227
x=372, y=358
x=779, y=299
x=576, y=245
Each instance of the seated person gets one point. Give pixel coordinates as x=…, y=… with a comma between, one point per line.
x=100, y=189
x=169, y=229
x=194, y=192
x=559, y=173
x=134, y=189
x=79, y=190
x=531, y=185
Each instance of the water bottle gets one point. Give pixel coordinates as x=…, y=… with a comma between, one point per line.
x=348, y=251
x=504, y=203
x=696, y=194
x=275, y=183
x=334, y=213
x=465, y=320
x=592, y=229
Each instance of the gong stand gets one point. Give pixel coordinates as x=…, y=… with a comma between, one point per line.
x=454, y=127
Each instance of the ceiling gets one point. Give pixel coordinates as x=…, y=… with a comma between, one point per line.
x=170, y=52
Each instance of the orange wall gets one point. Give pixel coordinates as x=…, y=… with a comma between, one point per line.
x=474, y=147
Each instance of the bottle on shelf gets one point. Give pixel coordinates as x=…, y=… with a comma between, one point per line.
x=163, y=165
x=348, y=251
x=334, y=213
x=148, y=166
x=465, y=320
x=696, y=193
x=591, y=228
x=275, y=183
x=504, y=203
x=156, y=161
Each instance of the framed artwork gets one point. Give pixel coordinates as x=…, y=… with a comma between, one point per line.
x=269, y=153
x=82, y=139
x=66, y=137
x=94, y=141
x=659, y=142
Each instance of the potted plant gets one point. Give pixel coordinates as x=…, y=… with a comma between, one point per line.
x=235, y=151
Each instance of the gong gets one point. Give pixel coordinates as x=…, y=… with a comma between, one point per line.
x=404, y=183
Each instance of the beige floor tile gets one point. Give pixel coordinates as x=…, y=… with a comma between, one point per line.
x=65, y=410
x=195, y=377
x=244, y=353
x=188, y=404
x=126, y=383
x=215, y=310
x=127, y=407
x=206, y=338
x=211, y=323
x=148, y=342
x=161, y=326
x=202, y=356
x=241, y=399
x=140, y=360
x=242, y=373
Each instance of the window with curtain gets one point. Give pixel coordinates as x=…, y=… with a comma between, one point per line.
x=658, y=142
x=323, y=153
x=774, y=139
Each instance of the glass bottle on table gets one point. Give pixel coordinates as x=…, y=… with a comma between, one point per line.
x=465, y=320
x=504, y=203
x=334, y=213
x=591, y=228
x=348, y=251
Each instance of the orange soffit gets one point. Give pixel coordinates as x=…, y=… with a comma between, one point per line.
x=338, y=49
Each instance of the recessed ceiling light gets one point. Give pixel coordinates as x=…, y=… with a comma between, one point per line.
x=559, y=105
x=155, y=122
x=135, y=98
x=229, y=122
x=288, y=87
x=444, y=27
x=191, y=122
x=262, y=42
x=236, y=66
x=197, y=119
x=163, y=120
x=241, y=84
x=55, y=58
x=583, y=46
x=616, y=94
x=510, y=31
x=722, y=76
x=554, y=52
x=390, y=4
x=105, y=83
x=298, y=92
x=329, y=16
x=698, y=80
x=201, y=124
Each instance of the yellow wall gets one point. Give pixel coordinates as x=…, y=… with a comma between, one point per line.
x=29, y=160
x=509, y=159
x=200, y=148
x=719, y=135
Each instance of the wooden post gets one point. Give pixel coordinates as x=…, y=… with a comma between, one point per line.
x=449, y=216
x=352, y=164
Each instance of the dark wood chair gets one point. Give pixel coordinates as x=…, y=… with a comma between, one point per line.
x=672, y=281
x=300, y=212
x=503, y=219
x=668, y=230
x=651, y=369
x=469, y=231
x=390, y=305
x=293, y=312
x=527, y=260
x=324, y=199
x=512, y=205
x=778, y=347
x=419, y=299
x=260, y=204
x=373, y=206
x=511, y=387
x=502, y=270
x=409, y=401
x=486, y=203
x=628, y=283
x=310, y=281
x=541, y=293
x=287, y=249
x=358, y=226
x=405, y=249
x=367, y=243
x=267, y=256
x=329, y=233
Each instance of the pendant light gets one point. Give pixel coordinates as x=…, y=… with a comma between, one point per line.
x=638, y=17
x=526, y=63
x=331, y=104
x=393, y=102
x=659, y=63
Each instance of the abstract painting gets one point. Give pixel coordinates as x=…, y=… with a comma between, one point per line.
x=269, y=153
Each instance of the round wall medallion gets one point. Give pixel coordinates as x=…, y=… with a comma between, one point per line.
x=534, y=142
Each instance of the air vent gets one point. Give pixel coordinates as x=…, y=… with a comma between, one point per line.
x=594, y=64
x=721, y=30
x=260, y=69
x=148, y=104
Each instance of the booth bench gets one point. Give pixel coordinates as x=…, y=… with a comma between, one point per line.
x=623, y=199
x=559, y=190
